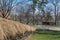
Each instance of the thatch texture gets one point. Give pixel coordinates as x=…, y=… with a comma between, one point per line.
x=10, y=28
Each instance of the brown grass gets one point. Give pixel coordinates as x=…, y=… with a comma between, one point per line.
x=12, y=28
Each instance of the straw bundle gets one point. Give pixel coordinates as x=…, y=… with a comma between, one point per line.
x=1, y=34
x=10, y=29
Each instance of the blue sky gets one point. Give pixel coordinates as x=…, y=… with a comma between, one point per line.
x=24, y=3
x=49, y=5
x=31, y=2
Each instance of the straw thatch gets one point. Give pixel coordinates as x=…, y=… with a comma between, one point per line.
x=11, y=29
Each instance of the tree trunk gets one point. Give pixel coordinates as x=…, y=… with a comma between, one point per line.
x=55, y=15
x=33, y=15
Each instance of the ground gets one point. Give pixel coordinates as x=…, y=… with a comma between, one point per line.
x=45, y=35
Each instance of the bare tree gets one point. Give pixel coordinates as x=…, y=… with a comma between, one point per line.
x=6, y=7
x=55, y=3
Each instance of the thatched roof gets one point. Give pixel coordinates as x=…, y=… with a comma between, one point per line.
x=11, y=28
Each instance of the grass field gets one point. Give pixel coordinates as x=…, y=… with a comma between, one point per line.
x=45, y=35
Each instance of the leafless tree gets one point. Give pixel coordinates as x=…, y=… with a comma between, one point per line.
x=55, y=3
x=6, y=7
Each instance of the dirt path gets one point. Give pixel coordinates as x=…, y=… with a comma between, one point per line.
x=48, y=27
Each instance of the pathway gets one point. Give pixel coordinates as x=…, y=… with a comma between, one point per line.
x=46, y=27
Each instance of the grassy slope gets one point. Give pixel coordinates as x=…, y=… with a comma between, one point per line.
x=45, y=35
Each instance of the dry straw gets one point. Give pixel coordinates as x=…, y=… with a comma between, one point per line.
x=12, y=28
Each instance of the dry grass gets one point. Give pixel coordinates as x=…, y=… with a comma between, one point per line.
x=11, y=28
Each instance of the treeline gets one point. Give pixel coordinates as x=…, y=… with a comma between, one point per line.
x=34, y=12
